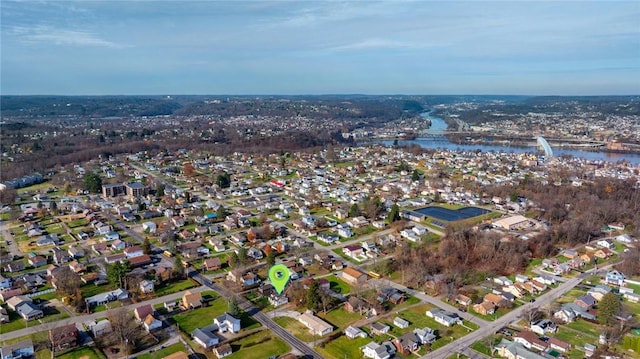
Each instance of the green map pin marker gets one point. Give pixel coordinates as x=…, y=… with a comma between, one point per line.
x=279, y=276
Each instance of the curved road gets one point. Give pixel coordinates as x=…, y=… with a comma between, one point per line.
x=261, y=317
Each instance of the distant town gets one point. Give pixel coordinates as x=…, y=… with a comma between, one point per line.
x=139, y=227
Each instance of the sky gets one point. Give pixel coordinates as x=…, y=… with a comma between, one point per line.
x=320, y=47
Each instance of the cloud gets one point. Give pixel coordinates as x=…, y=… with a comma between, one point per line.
x=375, y=43
x=62, y=37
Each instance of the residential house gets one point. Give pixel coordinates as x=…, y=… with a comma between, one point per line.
x=599, y=291
x=530, y=340
x=585, y=301
x=63, y=338
x=352, y=332
x=407, y=343
x=10, y=293
x=484, y=308
x=37, y=261
x=379, y=328
x=400, y=323
x=191, y=300
x=374, y=350
x=463, y=300
x=353, y=276
x=13, y=267
x=570, y=312
x=149, y=227
x=543, y=327
x=515, y=350
x=316, y=325
x=5, y=282
x=226, y=322
x=133, y=252
x=223, y=350
x=76, y=252
x=151, y=323
x=444, y=317
x=106, y=297
x=141, y=312
x=205, y=337
x=22, y=349
x=212, y=264
x=99, y=328
x=559, y=345
x=497, y=300
x=614, y=277
x=147, y=286
x=631, y=297
x=426, y=335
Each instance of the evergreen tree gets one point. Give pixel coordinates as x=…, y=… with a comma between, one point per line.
x=608, y=308
x=354, y=210
x=146, y=245
x=233, y=307
x=92, y=182
x=415, y=176
x=223, y=180
x=313, y=296
x=117, y=272
x=160, y=190
x=394, y=214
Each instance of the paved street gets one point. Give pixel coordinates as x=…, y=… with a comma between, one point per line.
x=94, y=316
x=489, y=328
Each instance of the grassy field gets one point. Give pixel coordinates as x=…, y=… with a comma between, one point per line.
x=83, y=353
x=262, y=344
x=586, y=328
x=338, y=285
x=170, y=288
x=417, y=319
x=163, y=352
x=343, y=347
x=296, y=328
x=198, y=318
x=339, y=317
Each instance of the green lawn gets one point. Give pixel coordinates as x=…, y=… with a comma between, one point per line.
x=573, y=337
x=418, y=319
x=262, y=344
x=338, y=285
x=89, y=290
x=170, y=288
x=82, y=353
x=339, y=317
x=296, y=328
x=586, y=328
x=163, y=352
x=77, y=223
x=198, y=318
x=343, y=347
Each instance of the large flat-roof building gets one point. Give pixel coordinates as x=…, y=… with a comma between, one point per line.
x=513, y=222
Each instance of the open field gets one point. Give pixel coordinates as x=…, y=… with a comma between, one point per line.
x=262, y=344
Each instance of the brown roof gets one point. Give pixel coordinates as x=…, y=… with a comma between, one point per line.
x=212, y=262
x=140, y=261
x=353, y=272
x=192, y=297
x=149, y=319
x=142, y=311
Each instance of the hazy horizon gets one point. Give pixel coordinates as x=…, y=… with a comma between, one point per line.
x=270, y=48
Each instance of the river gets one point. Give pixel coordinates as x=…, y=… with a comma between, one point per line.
x=438, y=124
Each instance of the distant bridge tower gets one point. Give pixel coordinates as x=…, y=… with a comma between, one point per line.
x=545, y=146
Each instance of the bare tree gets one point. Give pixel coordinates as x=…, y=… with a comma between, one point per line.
x=124, y=327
